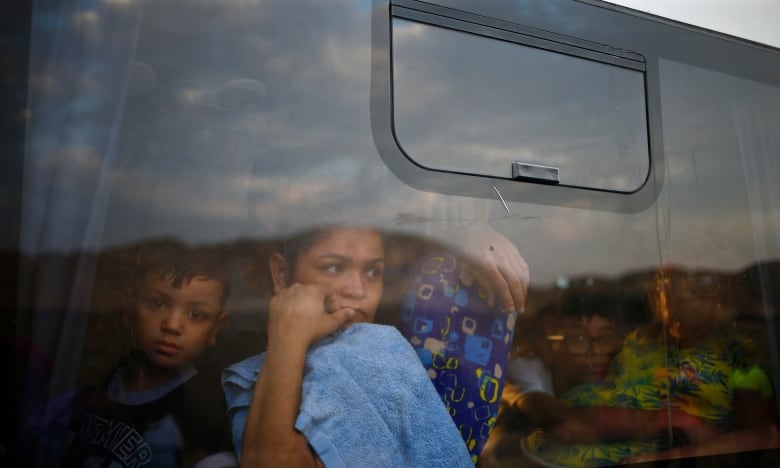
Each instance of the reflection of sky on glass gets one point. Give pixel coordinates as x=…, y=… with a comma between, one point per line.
x=507, y=102
x=213, y=121
x=709, y=121
x=78, y=73
x=210, y=94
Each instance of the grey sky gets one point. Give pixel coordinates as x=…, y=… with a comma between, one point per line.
x=756, y=20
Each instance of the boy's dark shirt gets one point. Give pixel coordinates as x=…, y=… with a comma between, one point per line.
x=180, y=428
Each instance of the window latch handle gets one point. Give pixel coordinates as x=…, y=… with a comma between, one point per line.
x=535, y=173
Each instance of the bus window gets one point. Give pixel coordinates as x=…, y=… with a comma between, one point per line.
x=590, y=125
x=171, y=168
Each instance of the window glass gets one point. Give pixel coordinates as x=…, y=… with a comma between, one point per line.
x=718, y=134
x=194, y=132
x=472, y=104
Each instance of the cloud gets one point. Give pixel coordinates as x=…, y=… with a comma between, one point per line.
x=236, y=95
x=408, y=31
x=751, y=19
x=119, y=3
x=85, y=20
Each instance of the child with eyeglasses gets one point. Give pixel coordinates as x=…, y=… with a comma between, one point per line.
x=577, y=341
x=580, y=341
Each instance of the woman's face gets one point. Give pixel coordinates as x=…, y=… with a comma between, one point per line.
x=350, y=262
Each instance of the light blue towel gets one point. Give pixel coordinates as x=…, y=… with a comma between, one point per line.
x=366, y=401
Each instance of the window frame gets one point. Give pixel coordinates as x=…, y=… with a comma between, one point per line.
x=493, y=187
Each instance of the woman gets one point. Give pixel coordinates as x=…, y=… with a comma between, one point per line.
x=332, y=388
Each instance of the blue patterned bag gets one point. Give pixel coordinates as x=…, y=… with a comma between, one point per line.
x=462, y=343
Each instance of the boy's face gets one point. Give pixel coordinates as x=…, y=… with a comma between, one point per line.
x=172, y=326
x=580, y=350
x=351, y=263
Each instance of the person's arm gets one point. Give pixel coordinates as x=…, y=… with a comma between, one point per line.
x=754, y=429
x=597, y=423
x=298, y=317
x=601, y=423
x=539, y=409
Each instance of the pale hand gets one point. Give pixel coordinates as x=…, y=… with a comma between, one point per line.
x=498, y=266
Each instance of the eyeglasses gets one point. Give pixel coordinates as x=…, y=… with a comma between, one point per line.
x=582, y=344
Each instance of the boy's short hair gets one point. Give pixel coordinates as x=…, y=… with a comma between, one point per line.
x=587, y=304
x=179, y=263
x=605, y=299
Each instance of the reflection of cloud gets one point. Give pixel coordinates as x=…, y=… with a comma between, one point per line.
x=344, y=56
x=298, y=197
x=406, y=31
x=72, y=159
x=149, y=191
x=142, y=80
x=43, y=82
x=241, y=94
x=119, y=3
x=87, y=159
x=85, y=19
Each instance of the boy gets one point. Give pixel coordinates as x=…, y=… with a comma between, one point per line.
x=577, y=345
x=154, y=409
x=580, y=341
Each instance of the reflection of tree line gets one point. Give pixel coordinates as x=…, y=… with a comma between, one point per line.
x=48, y=285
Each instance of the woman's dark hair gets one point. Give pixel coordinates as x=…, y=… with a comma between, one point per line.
x=294, y=245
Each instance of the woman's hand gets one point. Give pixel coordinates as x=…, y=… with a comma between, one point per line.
x=304, y=314
x=298, y=316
